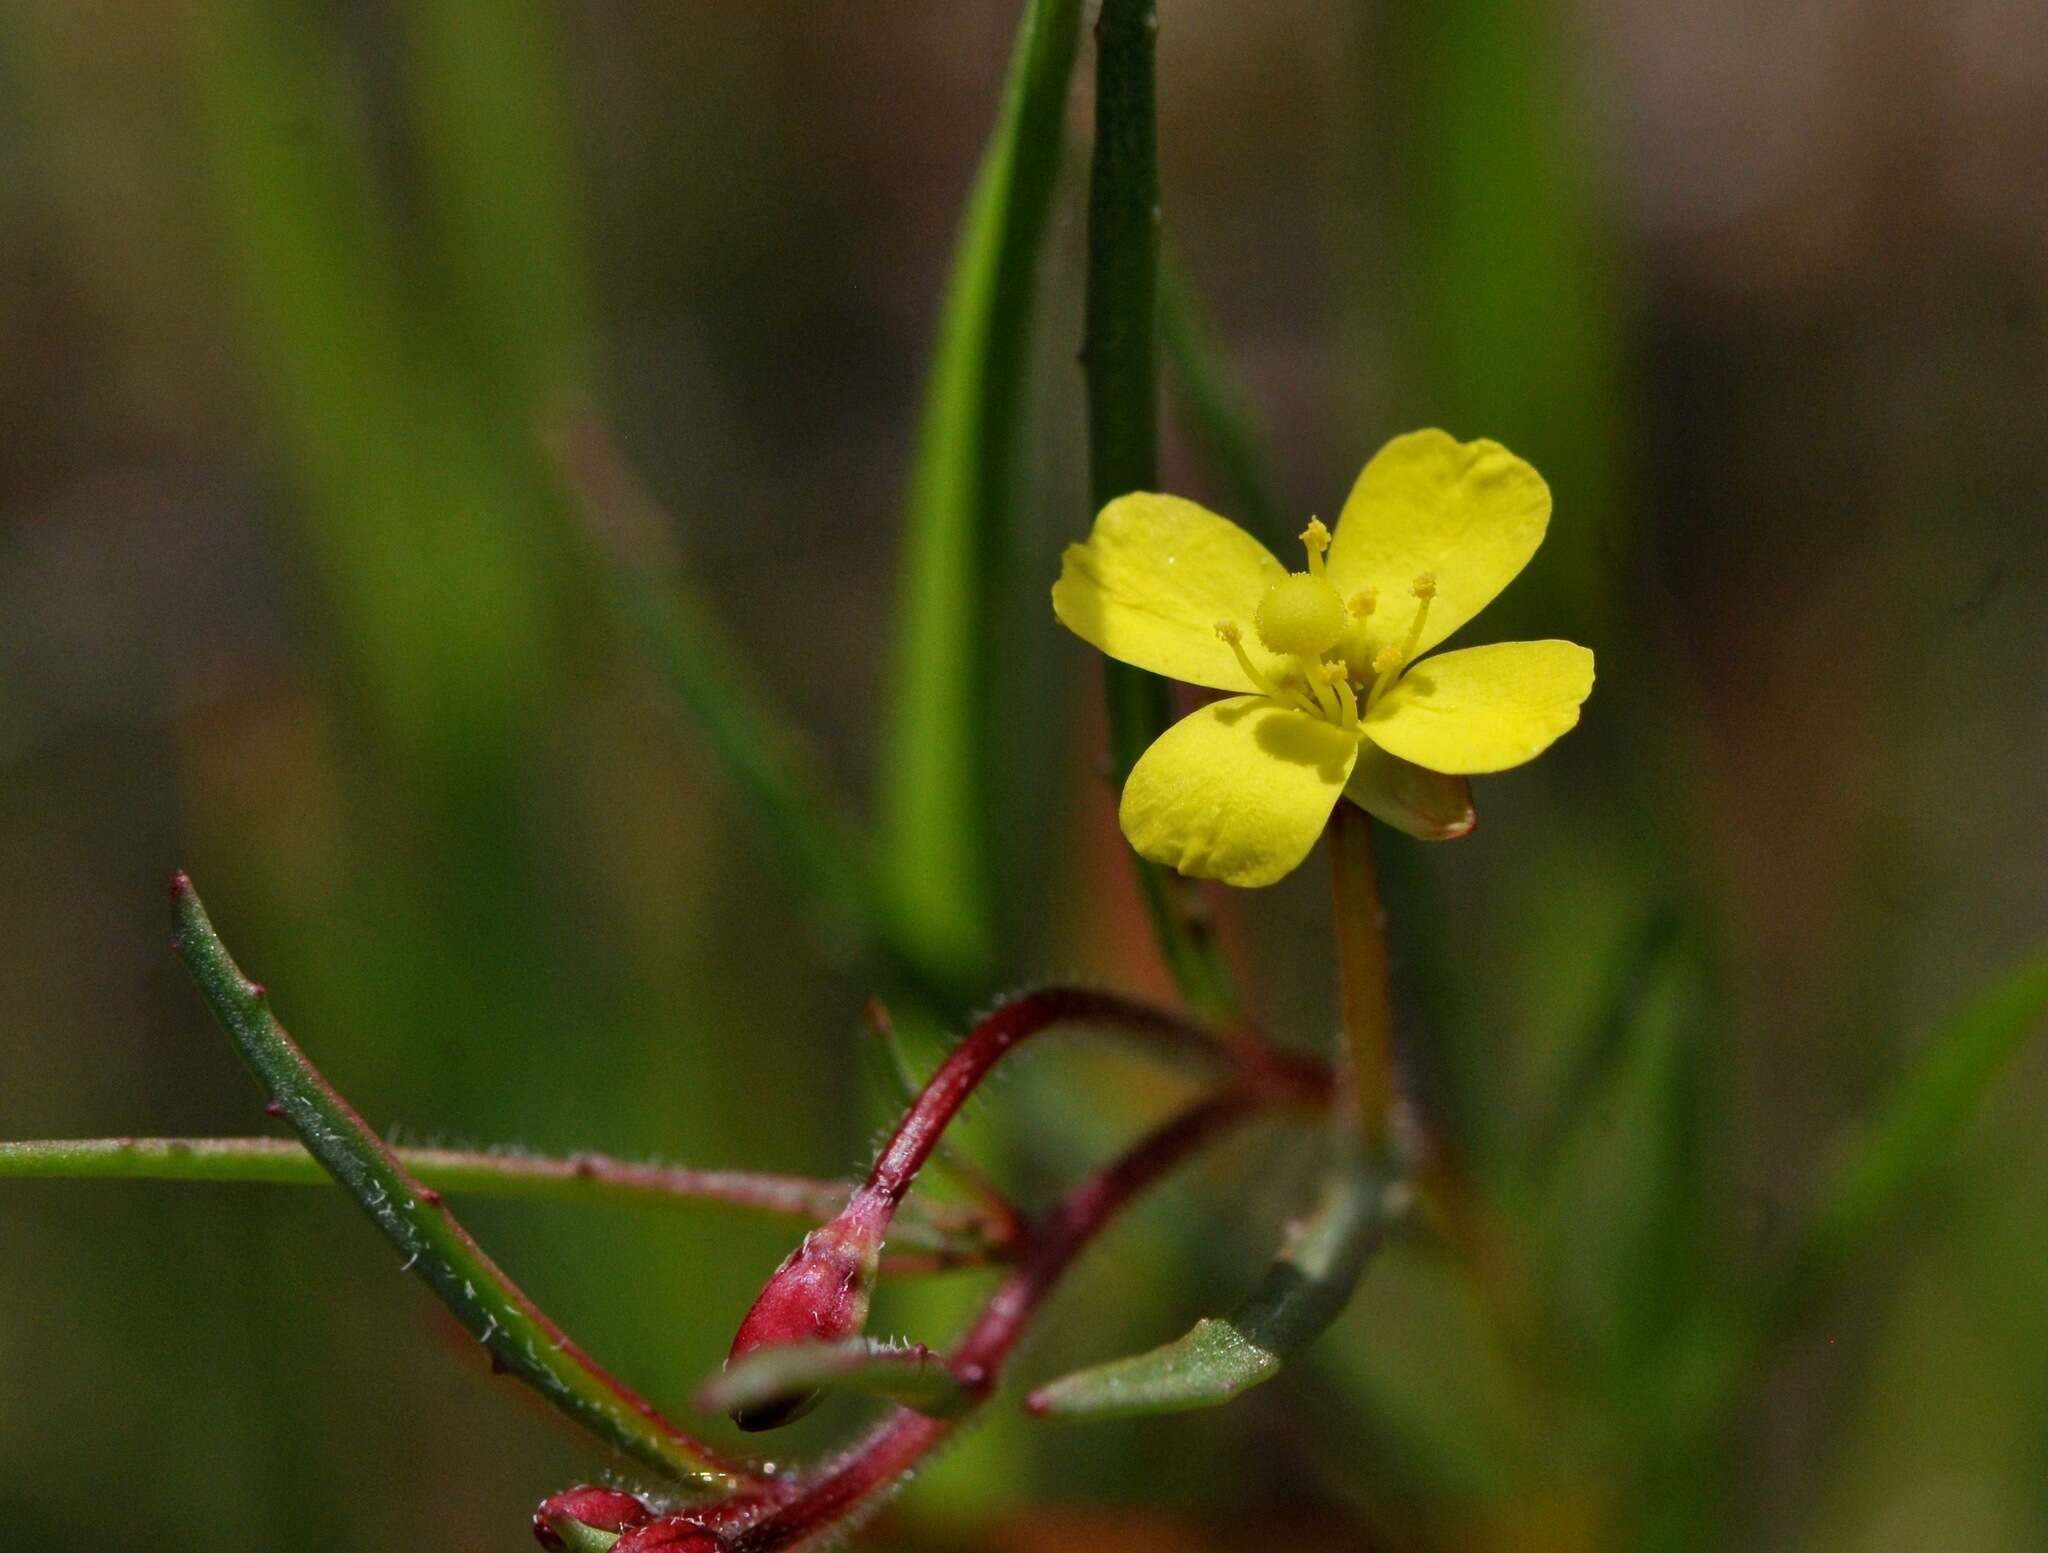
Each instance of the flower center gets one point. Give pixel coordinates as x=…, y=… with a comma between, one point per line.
x=1302, y=617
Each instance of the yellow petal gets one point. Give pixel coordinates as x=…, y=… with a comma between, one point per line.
x=1426, y=804
x=1483, y=708
x=1153, y=580
x=1470, y=512
x=1237, y=791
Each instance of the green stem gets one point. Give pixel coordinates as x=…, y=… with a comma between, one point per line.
x=1364, y=994
x=577, y=1178
x=519, y=1338
x=1119, y=358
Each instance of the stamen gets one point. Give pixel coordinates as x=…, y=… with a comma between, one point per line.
x=1318, y=683
x=1315, y=539
x=1424, y=591
x=1364, y=602
x=1227, y=631
x=1339, y=676
x=1387, y=668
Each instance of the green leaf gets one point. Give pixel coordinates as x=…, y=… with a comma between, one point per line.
x=1304, y=1290
x=411, y=1216
x=953, y=667
x=911, y=1375
x=1120, y=360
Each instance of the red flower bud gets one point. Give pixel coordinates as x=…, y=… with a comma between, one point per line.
x=601, y=1509
x=820, y=1294
x=672, y=1534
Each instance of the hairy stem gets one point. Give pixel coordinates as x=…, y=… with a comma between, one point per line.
x=946, y=1235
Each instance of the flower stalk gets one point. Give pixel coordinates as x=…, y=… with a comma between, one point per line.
x=1364, y=991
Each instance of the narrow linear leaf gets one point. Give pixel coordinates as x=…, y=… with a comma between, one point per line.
x=576, y=1178
x=412, y=1217
x=952, y=673
x=1119, y=356
x=911, y=1375
x=1221, y=1357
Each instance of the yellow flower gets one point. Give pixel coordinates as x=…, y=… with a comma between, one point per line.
x=1339, y=705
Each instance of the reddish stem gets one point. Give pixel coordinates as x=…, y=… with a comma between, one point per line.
x=987, y=1044
x=1057, y=1239
x=821, y=1292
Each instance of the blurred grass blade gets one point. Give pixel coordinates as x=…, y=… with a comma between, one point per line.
x=1221, y=1357
x=517, y=1335
x=807, y=829
x=428, y=541
x=950, y=681
x=500, y=192
x=1119, y=357
x=1220, y=423
x=1891, y=1159
x=913, y=1376
x=1627, y=977
x=576, y=1178
x=1510, y=294
x=1913, y=1133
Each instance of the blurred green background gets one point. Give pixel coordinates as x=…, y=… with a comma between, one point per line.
x=291, y=597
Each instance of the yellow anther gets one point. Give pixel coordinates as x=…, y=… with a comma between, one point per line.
x=1338, y=675
x=1388, y=660
x=1301, y=615
x=1228, y=632
x=1424, y=590
x=1364, y=602
x=1315, y=539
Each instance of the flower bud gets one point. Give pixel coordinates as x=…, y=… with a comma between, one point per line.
x=599, y=1509
x=820, y=1294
